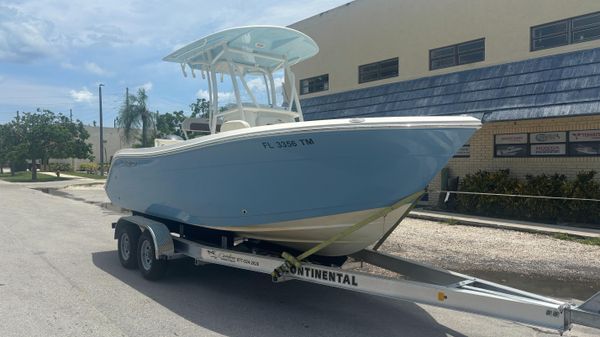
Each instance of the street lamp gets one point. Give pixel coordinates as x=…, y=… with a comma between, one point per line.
x=101, y=131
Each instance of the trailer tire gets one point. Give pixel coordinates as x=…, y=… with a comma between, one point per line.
x=150, y=267
x=127, y=246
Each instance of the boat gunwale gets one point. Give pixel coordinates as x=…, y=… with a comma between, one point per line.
x=352, y=124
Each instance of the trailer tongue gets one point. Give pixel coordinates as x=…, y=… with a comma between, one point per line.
x=421, y=283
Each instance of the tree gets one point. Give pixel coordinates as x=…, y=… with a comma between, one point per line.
x=133, y=114
x=200, y=108
x=169, y=124
x=9, y=148
x=41, y=136
x=69, y=139
x=4, y=146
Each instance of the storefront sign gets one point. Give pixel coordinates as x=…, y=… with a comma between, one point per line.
x=584, y=136
x=556, y=143
x=511, y=150
x=548, y=149
x=463, y=152
x=548, y=137
x=584, y=149
x=514, y=138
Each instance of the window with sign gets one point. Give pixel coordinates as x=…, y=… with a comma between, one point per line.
x=580, y=143
x=548, y=144
x=511, y=145
x=572, y=30
x=584, y=143
x=314, y=84
x=378, y=70
x=457, y=54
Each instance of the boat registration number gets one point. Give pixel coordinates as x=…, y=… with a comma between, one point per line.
x=281, y=144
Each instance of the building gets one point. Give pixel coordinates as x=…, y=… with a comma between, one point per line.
x=529, y=69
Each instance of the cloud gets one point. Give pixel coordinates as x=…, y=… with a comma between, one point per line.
x=121, y=40
x=68, y=65
x=256, y=83
x=202, y=93
x=103, y=33
x=26, y=93
x=146, y=86
x=278, y=81
x=224, y=96
x=83, y=95
x=90, y=67
x=93, y=68
x=24, y=38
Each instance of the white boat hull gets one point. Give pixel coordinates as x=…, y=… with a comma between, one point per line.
x=304, y=234
x=294, y=184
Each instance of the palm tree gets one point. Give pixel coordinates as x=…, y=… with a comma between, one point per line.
x=133, y=114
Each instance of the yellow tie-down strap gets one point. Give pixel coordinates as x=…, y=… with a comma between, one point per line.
x=290, y=260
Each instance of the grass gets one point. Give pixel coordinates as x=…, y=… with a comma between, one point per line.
x=25, y=177
x=452, y=222
x=585, y=241
x=85, y=175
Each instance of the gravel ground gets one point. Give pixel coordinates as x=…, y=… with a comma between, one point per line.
x=464, y=248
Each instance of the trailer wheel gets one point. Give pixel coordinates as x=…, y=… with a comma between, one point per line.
x=127, y=247
x=150, y=267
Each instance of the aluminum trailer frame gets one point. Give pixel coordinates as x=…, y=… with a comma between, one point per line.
x=424, y=284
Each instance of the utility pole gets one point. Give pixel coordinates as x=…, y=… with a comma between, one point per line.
x=101, y=131
x=72, y=159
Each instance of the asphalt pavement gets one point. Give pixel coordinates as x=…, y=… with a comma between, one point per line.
x=60, y=276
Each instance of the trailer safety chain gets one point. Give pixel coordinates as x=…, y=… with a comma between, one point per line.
x=291, y=261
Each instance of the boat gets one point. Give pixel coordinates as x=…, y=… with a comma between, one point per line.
x=263, y=173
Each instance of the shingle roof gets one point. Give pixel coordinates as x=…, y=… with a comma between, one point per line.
x=552, y=86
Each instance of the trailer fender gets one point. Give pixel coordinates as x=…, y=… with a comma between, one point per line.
x=161, y=235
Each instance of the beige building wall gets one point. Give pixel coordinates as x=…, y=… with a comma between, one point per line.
x=482, y=151
x=366, y=31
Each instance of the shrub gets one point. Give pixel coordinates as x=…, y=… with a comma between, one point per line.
x=537, y=209
x=584, y=186
x=89, y=167
x=488, y=182
x=63, y=167
x=553, y=210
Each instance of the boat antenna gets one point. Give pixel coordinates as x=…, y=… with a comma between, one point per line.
x=183, y=70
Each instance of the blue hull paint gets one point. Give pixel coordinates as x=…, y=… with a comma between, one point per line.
x=265, y=180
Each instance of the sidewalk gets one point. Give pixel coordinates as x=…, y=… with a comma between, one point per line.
x=68, y=176
x=73, y=180
x=524, y=226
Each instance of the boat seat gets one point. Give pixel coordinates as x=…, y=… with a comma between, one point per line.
x=234, y=125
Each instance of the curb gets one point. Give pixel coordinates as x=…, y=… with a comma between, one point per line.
x=529, y=227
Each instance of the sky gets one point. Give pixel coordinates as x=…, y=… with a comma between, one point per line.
x=55, y=53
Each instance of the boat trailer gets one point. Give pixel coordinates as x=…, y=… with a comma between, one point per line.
x=419, y=283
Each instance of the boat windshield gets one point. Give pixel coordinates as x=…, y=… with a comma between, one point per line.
x=255, y=61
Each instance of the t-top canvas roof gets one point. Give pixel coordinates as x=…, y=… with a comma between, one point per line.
x=263, y=47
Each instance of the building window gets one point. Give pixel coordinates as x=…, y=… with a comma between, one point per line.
x=454, y=55
x=378, y=70
x=314, y=84
x=560, y=33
